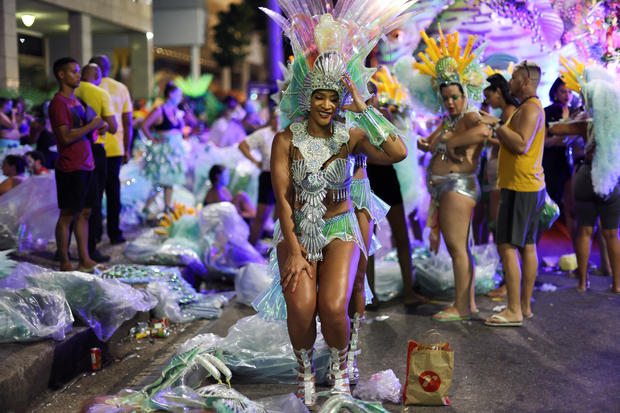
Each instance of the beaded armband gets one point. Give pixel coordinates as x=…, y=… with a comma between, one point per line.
x=376, y=126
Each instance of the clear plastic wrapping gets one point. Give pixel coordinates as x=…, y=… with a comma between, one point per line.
x=252, y=355
x=28, y=213
x=32, y=314
x=434, y=272
x=225, y=236
x=382, y=386
x=250, y=281
x=103, y=304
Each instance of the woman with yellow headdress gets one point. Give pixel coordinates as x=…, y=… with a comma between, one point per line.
x=596, y=186
x=456, y=79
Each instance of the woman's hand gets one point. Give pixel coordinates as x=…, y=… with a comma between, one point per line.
x=424, y=144
x=294, y=267
x=487, y=119
x=358, y=104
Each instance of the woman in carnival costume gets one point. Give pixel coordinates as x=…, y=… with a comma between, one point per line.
x=164, y=158
x=596, y=182
x=392, y=100
x=456, y=146
x=319, y=241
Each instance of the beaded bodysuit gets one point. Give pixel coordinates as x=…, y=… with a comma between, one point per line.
x=311, y=181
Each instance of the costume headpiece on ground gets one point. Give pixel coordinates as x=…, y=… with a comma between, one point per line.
x=329, y=41
x=441, y=65
x=601, y=97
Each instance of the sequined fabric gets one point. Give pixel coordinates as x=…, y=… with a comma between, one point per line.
x=164, y=162
x=362, y=197
x=270, y=303
x=312, y=183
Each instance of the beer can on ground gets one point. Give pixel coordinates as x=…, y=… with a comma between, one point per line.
x=95, y=358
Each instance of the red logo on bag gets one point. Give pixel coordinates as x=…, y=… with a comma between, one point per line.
x=430, y=381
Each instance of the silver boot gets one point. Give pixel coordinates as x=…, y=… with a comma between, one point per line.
x=338, y=371
x=306, y=390
x=354, y=349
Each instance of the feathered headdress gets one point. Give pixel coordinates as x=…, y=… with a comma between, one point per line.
x=442, y=64
x=389, y=90
x=330, y=41
x=601, y=98
x=507, y=74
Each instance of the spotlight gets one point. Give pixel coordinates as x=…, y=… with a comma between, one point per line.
x=149, y=35
x=27, y=19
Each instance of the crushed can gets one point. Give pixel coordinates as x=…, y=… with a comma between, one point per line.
x=96, y=359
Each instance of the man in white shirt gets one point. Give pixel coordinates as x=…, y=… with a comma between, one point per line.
x=227, y=130
x=261, y=140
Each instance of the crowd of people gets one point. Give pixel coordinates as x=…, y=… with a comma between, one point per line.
x=325, y=159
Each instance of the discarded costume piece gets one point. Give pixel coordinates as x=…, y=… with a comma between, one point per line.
x=102, y=304
x=255, y=356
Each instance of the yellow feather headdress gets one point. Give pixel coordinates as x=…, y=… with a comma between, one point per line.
x=389, y=90
x=573, y=75
x=447, y=63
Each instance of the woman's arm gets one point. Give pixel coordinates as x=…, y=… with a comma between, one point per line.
x=295, y=264
x=394, y=149
x=153, y=118
x=569, y=128
x=474, y=134
x=425, y=144
x=8, y=122
x=245, y=150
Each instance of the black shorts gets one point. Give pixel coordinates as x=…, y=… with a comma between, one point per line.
x=589, y=206
x=76, y=190
x=265, y=190
x=518, y=217
x=384, y=183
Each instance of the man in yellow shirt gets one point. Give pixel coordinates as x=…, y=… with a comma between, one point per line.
x=522, y=183
x=99, y=100
x=117, y=146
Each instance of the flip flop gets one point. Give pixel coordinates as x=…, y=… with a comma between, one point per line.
x=93, y=270
x=449, y=317
x=503, y=322
x=529, y=316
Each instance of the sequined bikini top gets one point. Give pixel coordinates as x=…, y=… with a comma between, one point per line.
x=311, y=181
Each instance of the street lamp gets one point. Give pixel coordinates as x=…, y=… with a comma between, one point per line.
x=27, y=19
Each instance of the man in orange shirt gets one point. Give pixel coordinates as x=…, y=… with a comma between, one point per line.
x=522, y=183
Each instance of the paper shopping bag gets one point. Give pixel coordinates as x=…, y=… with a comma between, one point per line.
x=429, y=373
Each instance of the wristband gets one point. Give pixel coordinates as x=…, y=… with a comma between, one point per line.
x=375, y=125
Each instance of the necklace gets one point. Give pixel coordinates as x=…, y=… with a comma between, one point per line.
x=527, y=98
x=449, y=124
x=316, y=151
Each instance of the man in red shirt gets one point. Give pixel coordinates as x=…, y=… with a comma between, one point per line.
x=72, y=125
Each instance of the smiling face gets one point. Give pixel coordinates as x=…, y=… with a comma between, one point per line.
x=176, y=96
x=453, y=99
x=323, y=106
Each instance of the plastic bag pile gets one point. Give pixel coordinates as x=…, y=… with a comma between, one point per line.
x=434, y=272
x=28, y=213
x=255, y=356
x=102, y=304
